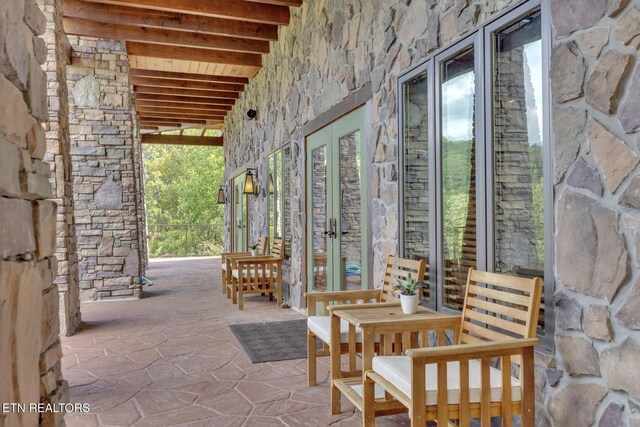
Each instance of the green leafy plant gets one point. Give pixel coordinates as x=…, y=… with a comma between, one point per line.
x=253, y=246
x=410, y=286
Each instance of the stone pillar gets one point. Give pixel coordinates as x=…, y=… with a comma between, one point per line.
x=59, y=160
x=140, y=194
x=30, y=349
x=103, y=150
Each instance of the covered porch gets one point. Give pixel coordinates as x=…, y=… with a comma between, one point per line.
x=497, y=135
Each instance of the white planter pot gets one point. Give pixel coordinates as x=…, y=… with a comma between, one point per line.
x=409, y=303
x=254, y=252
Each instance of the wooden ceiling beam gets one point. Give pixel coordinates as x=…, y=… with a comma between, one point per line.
x=182, y=106
x=211, y=141
x=157, y=123
x=122, y=15
x=170, y=75
x=84, y=27
x=183, y=99
x=178, y=116
x=181, y=84
x=203, y=112
x=229, y=9
x=294, y=3
x=181, y=116
x=172, y=123
x=209, y=94
x=150, y=50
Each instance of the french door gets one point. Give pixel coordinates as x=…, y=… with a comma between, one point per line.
x=337, y=206
x=240, y=215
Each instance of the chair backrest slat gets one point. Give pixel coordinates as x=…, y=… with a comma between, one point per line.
x=499, y=307
x=399, y=270
x=277, y=249
x=262, y=245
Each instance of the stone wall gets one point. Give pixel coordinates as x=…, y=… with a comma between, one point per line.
x=30, y=349
x=59, y=159
x=330, y=50
x=105, y=157
x=595, y=80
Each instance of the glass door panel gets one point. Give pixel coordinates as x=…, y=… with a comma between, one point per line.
x=458, y=175
x=318, y=201
x=518, y=208
x=336, y=207
x=273, y=207
x=239, y=215
x=350, y=211
x=415, y=200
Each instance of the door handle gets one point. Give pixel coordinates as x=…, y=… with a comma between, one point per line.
x=330, y=232
x=332, y=228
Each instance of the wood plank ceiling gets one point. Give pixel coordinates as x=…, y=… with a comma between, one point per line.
x=189, y=59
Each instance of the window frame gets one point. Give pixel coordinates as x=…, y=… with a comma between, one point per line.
x=482, y=41
x=272, y=198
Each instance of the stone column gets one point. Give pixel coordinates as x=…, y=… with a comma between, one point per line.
x=105, y=162
x=140, y=194
x=29, y=342
x=59, y=160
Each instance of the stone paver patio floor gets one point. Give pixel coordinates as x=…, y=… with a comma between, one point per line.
x=170, y=359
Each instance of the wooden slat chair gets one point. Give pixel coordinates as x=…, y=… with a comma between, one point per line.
x=225, y=269
x=319, y=326
x=257, y=275
x=458, y=382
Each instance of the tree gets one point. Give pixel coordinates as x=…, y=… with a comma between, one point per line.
x=181, y=185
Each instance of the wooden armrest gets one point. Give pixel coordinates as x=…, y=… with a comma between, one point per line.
x=471, y=351
x=266, y=259
x=342, y=295
x=228, y=255
x=363, y=305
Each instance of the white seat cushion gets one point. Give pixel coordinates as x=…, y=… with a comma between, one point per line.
x=223, y=267
x=321, y=328
x=397, y=370
x=251, y=273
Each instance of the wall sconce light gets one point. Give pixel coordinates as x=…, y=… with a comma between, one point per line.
x=222, y=197
x=250, y=182
x=271, y=189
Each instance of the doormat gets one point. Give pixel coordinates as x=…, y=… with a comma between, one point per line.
x=273, y=341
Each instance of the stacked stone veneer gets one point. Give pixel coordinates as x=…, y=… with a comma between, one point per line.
x=30, y=349
x=105, y=149
x=329, y=51
x=59, y=159
x=332, y=49
x=595, y=80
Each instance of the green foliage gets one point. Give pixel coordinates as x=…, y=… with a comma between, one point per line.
x=181, y=185
x=410, y=286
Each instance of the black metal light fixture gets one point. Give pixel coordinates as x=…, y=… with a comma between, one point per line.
x=222, y=197
x=250, y=182
x=271, y=188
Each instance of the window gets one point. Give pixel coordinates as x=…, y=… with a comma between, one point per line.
x=475, y=188
x=279, y=165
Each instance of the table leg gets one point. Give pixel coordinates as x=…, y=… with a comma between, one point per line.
x=335, y=364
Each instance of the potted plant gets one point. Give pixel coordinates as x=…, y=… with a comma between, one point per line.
x=254, y=249
x=409, y=298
